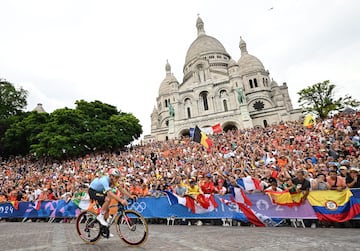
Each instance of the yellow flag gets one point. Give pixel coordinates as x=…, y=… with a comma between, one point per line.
x=309, y=120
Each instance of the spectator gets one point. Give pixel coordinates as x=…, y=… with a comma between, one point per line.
x=344, y=172
x=302, y=184
x=220, y=189
x=207, y=185
x=180, y=189
x=319, y=183
x=334, y=181
x=273, y=186
x=353, y=181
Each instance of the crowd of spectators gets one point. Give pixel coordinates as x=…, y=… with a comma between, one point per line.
x=327, y=155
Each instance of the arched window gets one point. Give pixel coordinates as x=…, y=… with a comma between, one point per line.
x=264, y=81
x=166, y=103
x=223, y=93
x=225, y=105
x=188, y=112
x=205, y=100
x=167, y=122
x=255, y=82
x=265, y=123
x=251, y=84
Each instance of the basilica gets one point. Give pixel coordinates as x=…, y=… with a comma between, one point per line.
x=216, y=89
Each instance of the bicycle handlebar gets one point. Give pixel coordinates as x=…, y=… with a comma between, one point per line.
x=123, y=207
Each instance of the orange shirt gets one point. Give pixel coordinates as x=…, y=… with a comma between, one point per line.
x=282, y=162
x=2, y=198
x=144, y=191
x=137, y=190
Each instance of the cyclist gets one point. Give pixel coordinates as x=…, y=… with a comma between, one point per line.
x=100, y=189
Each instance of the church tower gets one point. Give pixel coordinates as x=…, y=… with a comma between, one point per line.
x=217, y=89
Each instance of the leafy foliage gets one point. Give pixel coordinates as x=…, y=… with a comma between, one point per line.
x=12, y=100
x=91, y=126
x=319, y=99
x=23, y=132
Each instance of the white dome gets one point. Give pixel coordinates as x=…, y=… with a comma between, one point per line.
x=165, y=85
x=249, y=63
x=204, y=44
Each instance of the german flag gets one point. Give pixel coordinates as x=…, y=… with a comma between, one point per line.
x=200, y=137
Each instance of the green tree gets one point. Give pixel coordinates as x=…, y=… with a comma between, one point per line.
x=23, y=131
x=90, y=126
x=61, y=135
x=319, y=99
x=12, y=100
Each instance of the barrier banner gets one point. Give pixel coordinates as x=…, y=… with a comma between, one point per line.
x=43, y=209
x=152, y=207
x=261, y=203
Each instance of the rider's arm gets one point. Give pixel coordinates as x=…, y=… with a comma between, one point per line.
x=111, y=195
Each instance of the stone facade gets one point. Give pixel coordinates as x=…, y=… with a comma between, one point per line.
x=217, y=89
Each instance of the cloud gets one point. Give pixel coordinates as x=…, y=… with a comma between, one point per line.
x=116, y=51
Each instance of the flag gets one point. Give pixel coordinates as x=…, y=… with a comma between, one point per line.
x=244, y=204
x=249, y=183
x=191, y=132
x=240, y=196
x=285, y=198
x=37, y=205
x=200, y=137
x=15, y=204
x=82, y=200
x=331, y=205
x=309, y=121
x=216, y=128
x=203, y=203
x=82, y=204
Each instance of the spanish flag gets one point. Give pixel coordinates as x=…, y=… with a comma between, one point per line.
x=285, y=198
x=200, y=137
x=331, y=205
x=309, y=121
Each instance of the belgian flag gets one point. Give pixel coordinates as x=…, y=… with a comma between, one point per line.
x=200, y=137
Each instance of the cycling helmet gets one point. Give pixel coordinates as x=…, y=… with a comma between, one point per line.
x=115, y=172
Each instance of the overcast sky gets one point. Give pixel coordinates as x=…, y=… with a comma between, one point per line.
x=116, y=51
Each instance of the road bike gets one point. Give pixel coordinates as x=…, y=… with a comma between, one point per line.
x=130, y=225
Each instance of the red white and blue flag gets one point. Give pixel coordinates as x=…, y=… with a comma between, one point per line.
x=249, y=183
x=239, y=202
x=203, y=203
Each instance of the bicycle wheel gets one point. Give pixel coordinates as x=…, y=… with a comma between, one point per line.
x=132, y=227
x=88, y=228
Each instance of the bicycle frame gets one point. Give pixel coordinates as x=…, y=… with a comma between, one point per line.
x=125, y=225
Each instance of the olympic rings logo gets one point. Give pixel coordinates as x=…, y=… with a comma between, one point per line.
x=138, y=206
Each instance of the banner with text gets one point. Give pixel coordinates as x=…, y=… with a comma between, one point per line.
x=151, y=207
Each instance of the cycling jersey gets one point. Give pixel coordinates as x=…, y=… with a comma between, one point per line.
x=101, y=184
